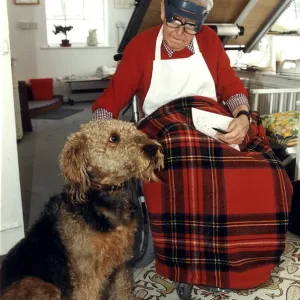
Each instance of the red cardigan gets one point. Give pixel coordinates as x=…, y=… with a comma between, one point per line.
x=133, y=74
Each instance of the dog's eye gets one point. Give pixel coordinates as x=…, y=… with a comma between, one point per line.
x=114, y=138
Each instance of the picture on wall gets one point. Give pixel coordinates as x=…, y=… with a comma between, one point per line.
x=124, y=3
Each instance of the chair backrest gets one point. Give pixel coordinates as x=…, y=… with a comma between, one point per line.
x=135, y=109
x=135, y=105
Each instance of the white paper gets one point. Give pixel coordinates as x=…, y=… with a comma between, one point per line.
x=204, y=121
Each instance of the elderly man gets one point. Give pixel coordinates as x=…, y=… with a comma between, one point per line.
x=219, y=216
x=178, y=60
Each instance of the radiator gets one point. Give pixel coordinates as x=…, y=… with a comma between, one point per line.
x=269, y=98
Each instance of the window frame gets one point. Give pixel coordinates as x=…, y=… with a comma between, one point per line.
x=65, y=21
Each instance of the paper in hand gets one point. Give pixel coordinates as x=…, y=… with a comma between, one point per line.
x=205, y=121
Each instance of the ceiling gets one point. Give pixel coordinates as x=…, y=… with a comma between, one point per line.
x=256, y=16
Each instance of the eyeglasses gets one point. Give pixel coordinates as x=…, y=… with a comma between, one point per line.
x=189, y=28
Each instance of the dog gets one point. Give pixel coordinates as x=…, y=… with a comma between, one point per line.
x=81, y=245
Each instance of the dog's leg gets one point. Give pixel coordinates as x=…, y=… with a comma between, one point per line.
x=32, y=288
x=121, y=287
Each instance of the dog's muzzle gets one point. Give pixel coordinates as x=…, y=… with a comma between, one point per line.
x=151, y=150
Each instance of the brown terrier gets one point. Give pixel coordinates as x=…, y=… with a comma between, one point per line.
x=82, y=243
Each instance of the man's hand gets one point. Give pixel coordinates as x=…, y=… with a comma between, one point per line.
x=237, y=131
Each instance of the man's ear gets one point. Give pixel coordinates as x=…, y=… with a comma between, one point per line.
x=73, y=164
x=162, y=10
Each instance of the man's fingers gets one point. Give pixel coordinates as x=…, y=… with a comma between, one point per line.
x=234, y=139
x=236, y=135
x=231, y=136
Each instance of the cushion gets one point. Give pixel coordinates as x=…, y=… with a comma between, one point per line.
x=282, y=127
x=42, y=88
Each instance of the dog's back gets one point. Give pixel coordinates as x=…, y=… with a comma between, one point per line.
x=40, y=255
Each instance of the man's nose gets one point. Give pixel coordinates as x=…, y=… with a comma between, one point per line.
x=180, y=30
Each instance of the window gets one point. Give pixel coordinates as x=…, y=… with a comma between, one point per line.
x=287, y=46
x=81, y=14
x=289, y=20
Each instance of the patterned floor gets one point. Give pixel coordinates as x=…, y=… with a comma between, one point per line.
x=284, y=283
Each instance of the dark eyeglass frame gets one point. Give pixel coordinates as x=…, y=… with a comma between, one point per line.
x=187, y=30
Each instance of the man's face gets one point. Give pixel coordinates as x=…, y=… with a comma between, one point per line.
x=176, y=38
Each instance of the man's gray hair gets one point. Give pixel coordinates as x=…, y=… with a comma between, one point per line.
x=208, y=3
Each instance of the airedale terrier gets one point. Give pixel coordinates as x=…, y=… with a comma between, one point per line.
x=80, y=247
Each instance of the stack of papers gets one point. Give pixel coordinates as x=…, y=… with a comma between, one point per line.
x=205, y=121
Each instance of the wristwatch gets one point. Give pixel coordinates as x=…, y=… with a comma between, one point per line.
x=246, y=113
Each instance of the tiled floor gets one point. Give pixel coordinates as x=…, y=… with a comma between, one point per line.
x=283, y=284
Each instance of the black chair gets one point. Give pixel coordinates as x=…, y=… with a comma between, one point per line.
x=294, y=220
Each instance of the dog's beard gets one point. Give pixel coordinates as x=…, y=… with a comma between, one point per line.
x=155, y=164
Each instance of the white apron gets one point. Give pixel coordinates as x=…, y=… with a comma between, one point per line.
x=177, y=78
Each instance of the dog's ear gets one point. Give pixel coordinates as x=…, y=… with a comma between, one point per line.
x=73, y=164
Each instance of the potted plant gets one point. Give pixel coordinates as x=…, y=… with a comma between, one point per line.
x=64, y=30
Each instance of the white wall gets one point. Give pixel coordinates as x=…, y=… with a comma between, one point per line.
x=35, y=62
x=261, y=56
x=266, y=54
x=11, y=221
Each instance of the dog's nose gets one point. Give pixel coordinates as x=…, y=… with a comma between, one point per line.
x=150, y=150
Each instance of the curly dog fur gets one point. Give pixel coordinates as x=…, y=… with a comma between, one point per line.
x=82, y=243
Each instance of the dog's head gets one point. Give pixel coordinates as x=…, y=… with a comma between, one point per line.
x=108, y=152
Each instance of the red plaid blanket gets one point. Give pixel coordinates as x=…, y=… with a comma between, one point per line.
x=219, y=216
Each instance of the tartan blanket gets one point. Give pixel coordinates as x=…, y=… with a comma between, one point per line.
x=219, y=217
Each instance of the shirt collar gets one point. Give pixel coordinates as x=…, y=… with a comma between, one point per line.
x=170, y=51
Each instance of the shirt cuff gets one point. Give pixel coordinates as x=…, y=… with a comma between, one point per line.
x=102, y=113
x=236, y=100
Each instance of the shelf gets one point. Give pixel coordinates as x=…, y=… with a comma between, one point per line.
x=284, y=34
